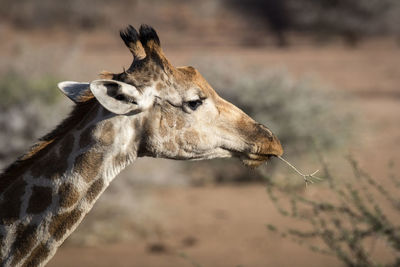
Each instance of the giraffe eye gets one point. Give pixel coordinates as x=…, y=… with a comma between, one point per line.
x=120, y=97
x=193, y=105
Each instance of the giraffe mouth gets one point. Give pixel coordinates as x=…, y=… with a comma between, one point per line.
x=252, y=159
x=255, y=160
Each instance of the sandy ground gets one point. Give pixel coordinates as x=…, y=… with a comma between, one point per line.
x=226, y=225
x=208, y=226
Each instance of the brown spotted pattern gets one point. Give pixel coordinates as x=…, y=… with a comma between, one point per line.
x=191, y=137
x=86, y=137
x=50, y=167
x=170, y=146
x=180, y=123
x=24, y=242
x=88, y=117
x=94, y=190
x=54, y=166
x=10, y=206
x=39, y=254
x=179, y=141
x=163, y=130
x=170, y=118
x=119, y=159
x=47, y=160
x=40, y=199
x=107, y=134
x=160, y=86
x=87, y=164
x=68, y=195
x=67, y=145
x=61, y=223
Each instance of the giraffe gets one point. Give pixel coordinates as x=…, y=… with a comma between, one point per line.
x=151, y=109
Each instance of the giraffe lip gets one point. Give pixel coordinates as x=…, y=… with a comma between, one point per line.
x=252, y=156
x=255, y=160
x=259, y=157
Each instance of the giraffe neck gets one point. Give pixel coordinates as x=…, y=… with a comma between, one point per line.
x=45, y=204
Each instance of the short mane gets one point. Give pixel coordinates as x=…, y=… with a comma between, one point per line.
x=16, y=169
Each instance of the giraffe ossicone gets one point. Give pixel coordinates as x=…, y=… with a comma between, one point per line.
x=152, y=109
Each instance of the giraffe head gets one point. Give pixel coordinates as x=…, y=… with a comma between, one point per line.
x=182, y=117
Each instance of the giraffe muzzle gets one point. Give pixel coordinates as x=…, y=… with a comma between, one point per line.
x=263, y=151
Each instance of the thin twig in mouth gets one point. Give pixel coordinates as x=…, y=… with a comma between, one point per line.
x=308, y=178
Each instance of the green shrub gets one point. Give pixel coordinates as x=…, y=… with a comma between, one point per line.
x=18, y=90
x=27, y=112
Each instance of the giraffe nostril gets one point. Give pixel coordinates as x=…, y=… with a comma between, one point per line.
x=266, y=133
x=268, y=144
x=265, y=129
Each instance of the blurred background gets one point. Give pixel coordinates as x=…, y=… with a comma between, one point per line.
x=324, y=75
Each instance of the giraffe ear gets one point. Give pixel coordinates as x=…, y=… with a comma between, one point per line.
x=118, y=97
x=74, y=90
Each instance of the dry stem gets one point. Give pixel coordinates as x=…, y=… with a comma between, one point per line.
x=308, y=178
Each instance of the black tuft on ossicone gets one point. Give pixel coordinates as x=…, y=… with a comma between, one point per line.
x=143, y=45
x=147, y=33
x=129, y=35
